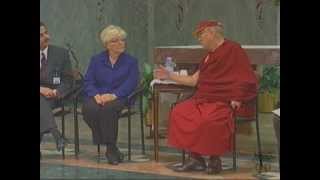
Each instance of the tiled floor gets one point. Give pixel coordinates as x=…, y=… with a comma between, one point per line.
x=143, y=167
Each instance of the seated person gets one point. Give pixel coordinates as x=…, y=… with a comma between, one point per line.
x=203, y=124
x=55, y=66
x=112, y=75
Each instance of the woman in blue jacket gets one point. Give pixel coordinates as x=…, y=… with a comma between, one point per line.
x=112, y=75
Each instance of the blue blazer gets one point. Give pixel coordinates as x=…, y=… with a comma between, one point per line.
x=120, y=79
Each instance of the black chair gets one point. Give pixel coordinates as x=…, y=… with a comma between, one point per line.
x=60, y=110
x=237, y=121
x=71, y=96
x=254, y=118
x=127, y=112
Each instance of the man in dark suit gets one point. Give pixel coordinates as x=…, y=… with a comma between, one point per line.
x=55, y=82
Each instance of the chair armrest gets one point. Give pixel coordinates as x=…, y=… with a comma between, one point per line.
x=77, y=92
x=135, y=93
x=77, y=84
x=72, y=93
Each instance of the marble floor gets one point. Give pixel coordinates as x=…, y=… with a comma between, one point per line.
x=90, y=166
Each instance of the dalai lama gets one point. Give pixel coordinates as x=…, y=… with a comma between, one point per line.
x=225, y=85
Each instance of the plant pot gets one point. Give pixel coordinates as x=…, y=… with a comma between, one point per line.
x=277, y=97
x=267, y=101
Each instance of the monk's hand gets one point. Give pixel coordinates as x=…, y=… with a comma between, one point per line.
x=235, y=105
x=161, y=73
x=98, y=99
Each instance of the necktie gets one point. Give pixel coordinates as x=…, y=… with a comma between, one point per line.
x=44, y=66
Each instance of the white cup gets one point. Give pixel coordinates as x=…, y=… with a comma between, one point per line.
x=183, y=72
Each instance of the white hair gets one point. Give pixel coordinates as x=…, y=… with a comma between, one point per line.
x=111, y=32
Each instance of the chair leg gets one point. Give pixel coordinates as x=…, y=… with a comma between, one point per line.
x=63, y=130
x=234, y=156
x=142, y=126
x=259, y=143
x=98, y=149
x=76, y=127
x=150, y=132
x=129, y=134
x=183, y=157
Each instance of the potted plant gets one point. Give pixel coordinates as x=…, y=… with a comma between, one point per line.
x=147, y=94
x=269, y=88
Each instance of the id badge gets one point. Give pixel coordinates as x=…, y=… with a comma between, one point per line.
x=56, y=80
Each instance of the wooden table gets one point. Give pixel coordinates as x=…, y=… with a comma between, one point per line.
x=157, y=89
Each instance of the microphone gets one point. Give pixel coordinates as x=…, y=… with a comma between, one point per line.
x=74, y=57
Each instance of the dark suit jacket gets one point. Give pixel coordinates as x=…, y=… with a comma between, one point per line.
x=58, y=61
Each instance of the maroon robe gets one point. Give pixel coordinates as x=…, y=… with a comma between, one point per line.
x=204, y=123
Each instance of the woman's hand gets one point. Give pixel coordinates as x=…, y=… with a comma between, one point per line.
x=98, y=99
x=107, y=98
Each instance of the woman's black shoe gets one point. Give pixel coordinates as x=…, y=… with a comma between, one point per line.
x=112, y=157
x=120, y=155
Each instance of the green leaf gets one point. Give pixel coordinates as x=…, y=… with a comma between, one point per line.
x=270, y=78
x=145, y=103
x=147, y=68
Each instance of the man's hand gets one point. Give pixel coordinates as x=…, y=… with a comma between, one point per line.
x=54, y=93
x=235, y=105
x=161, y=73
x=44, y=91
x=47, y=92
